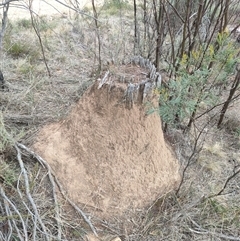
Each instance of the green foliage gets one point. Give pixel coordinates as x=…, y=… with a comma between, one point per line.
x=43, y=24
x=22, y=47
x=18, y=49
x=238, y=132
x=179, y=99
x=112, y=7
x=24, y=23
x=192, y=85
x=216, y=207
x=8, y=174
x=227, y=214
x=26, y=68
x=20, y=39
x=7, y=138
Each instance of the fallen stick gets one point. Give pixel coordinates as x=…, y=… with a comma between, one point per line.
x=53, y=180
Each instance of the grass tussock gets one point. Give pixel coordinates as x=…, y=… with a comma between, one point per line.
x=113, y=7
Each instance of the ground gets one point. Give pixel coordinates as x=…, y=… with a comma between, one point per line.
x=36, y=99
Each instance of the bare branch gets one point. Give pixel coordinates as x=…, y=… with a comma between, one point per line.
x=17, y=212
x=27, y=187
x=235, y=173
x=175, y=10
x=35, y=27
x=50, y=172
x=76, y=10
x=7, y=2
x=4, y=21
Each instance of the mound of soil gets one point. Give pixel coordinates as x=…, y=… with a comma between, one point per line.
x=109, y=158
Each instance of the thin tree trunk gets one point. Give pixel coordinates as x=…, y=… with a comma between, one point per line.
x=235, y=85
x=191, y=119
x=226, y=11
x=160, y=33
x=36, y=29
x=98, y=35
x=145, y=23
x=184, y=35
x=171, y=34
x=197, y=26
x=135, y=26
x=4, y=22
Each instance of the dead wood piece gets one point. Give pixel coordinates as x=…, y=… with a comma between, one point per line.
x=26, y=119
x=103, y=80
x=130, y=95
x=137, y=90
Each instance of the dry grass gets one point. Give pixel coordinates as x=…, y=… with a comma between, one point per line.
x=35, y=99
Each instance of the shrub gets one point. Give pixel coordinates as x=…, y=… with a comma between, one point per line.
x=24, y=23
x=21, y=47
x=113, y=6
x=193, y=85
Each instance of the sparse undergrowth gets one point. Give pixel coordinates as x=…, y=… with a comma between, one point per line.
x=197, y=212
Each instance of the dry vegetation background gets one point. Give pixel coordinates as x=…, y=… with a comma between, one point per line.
x=206, y=207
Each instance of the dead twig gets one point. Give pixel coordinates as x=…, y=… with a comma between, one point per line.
x=29, y=196
x=205, y=231
x=234, y=174
x=7, y=203
x=76, y=10
x=36, y=29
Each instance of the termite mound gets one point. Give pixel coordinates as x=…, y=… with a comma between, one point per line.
x=108, y=153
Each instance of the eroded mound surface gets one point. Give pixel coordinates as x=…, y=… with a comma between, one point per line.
x=109, y=158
